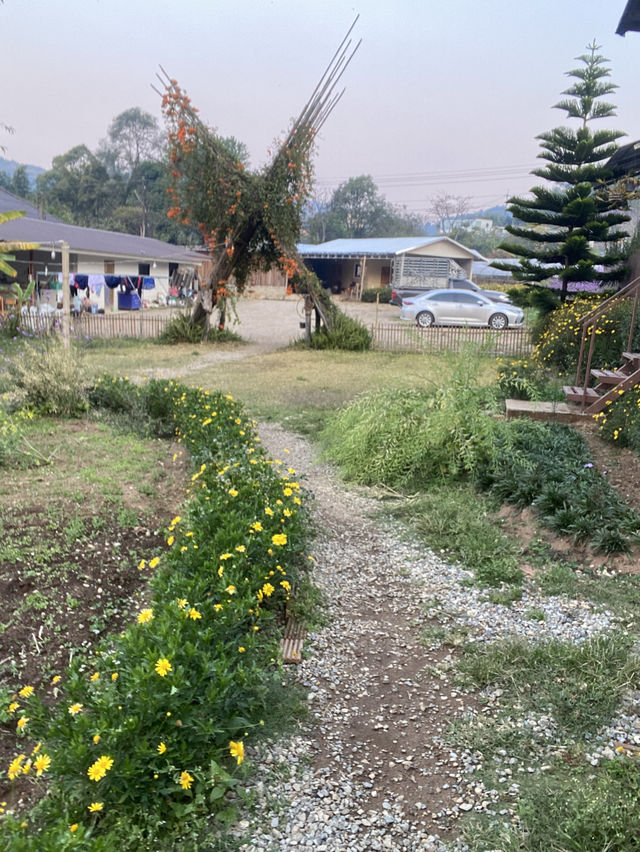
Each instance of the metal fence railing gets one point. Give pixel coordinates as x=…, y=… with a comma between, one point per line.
x=394, y=337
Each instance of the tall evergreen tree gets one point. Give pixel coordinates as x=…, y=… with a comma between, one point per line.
x=570, y=227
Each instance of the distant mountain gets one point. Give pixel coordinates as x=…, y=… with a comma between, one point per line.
x=9, y=167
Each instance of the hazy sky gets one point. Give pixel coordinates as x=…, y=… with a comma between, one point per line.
x=443, y=95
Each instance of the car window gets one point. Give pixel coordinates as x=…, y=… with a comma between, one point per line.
x=467, y=298
x=446, y=297
x=464, y=284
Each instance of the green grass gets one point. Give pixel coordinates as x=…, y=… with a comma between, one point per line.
x=568, y=809
x=580, y=684
x=296, y=387
x=461, y=522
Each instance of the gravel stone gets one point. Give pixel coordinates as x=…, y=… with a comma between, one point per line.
x=370, y=769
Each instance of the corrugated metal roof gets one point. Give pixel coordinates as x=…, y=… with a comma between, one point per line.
x=483, y=267
x=10, y=202
x=94, y=241
x=375, y=247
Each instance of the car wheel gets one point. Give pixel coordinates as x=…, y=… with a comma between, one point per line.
x=425, y=319
x=498, y=321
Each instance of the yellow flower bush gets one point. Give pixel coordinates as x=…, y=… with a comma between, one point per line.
x=180, y=688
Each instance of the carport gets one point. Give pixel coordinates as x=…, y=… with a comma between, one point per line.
x=354, y=265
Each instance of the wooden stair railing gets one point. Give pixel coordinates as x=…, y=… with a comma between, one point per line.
x=609, y=383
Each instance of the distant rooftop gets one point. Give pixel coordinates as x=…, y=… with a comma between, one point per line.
x=9, y=202
x=95, y=241
x=376, y=247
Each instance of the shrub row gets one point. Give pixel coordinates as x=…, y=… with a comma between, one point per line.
x=558, y=342
x=151, y=731
x=620, y=422
x=415, y=439
x=377, y=294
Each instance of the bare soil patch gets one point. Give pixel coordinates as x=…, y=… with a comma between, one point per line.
x=73, y=534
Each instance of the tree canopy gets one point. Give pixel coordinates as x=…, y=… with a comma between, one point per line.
x=569, y=228
x=122, y=186
x=357, y=209
x=249, y=219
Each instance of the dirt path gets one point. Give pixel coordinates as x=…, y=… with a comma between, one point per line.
x=267, y=325
x=380, y=776
x=373, y=768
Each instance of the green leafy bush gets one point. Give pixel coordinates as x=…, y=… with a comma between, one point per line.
x=49, y=379
x=548, y=466
x=148, y=408
x=154, y=731
x=526, y=379
x=411, y=438
x=347, y=334
x=182, y=330
x=115, y=393
x=558, y=339
x=620, y=422
x=375, y=294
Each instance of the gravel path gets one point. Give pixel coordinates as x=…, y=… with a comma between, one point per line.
x=371, y=769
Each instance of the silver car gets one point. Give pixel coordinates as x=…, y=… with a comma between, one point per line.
x=459, y=307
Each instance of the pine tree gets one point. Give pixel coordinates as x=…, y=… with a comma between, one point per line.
x=572, y=224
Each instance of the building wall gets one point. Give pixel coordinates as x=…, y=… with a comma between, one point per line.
x=444, y=249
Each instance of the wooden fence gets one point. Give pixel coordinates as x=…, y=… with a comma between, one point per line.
x=387, y=337
x=135, y=324
x=396, y=337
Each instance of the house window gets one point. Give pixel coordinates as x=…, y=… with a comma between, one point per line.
x=109, y=267
x=356, y=270
x=144, y=268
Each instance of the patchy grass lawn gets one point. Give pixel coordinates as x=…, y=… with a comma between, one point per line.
x=71, y=536
x=298, y=387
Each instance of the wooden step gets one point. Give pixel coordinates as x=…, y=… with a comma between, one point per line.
x=632, y=356
x=630, y=380
x=292, y=642
x=574, y=393
x=608, y=377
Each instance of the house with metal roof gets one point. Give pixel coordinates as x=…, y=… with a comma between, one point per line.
x=93, y=252
x=361, y=264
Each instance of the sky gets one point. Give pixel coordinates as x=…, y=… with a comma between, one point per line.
x=442, y=96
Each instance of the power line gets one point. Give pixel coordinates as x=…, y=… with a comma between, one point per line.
x=438, y=177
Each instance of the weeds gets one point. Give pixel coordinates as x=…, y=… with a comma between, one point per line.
x=49, y=379
x=413, y=438
x=459, y=522
x=580, y=684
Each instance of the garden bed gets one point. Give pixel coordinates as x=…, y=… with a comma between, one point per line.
x=71, y=541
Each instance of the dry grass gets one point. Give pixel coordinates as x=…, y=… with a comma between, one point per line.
x=295, y=386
